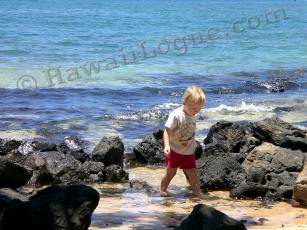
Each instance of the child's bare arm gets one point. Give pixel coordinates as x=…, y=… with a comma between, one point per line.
x=166, y=135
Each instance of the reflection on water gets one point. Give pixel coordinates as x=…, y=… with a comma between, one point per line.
x=121, y=207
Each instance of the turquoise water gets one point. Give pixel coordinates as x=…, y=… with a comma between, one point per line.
x=37, y=35
x=132, y=92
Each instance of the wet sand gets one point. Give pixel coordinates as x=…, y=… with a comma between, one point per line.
x=121, y=207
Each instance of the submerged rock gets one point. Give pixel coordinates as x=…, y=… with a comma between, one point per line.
x=136, y=185
x=115, y=173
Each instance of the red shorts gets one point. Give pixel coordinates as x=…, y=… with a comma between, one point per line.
x=176, y=160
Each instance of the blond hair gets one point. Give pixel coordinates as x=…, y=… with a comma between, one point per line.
x=194, y=94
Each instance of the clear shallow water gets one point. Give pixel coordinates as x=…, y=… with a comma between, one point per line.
x=119, y=209
x=237, y=70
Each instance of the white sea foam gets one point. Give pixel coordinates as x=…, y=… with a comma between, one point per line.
x=168, y=105
x=267, y=85
x=243, y=107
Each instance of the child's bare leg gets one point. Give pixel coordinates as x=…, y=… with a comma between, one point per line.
x=187, y=179
x=194, y=182
x=166, y=180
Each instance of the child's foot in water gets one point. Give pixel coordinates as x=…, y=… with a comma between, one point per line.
x=164, y=194
x=204, y=196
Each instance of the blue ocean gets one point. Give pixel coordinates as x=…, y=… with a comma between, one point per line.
x=99, y=68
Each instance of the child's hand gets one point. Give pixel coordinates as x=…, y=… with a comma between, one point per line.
x=167, y=150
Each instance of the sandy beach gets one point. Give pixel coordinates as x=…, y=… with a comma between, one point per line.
x=123, y=208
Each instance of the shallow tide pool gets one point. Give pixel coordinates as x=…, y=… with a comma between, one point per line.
x=121, y=207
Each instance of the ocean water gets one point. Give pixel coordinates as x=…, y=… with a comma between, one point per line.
x=99, y=68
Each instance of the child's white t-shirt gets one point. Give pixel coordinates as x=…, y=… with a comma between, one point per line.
x=182, y=136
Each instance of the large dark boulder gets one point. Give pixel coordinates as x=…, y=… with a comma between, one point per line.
x=110, y=150
x=11, y=206
x=272, y=186
x=219, y=172
x=280, y=133
x=12, y=210
x=228, y=136
x=242, y=150
x=205, y=217
x=56, y=207
x=150, y=150
x=271, y=172
x=50, y=167
x=272, y=158
x=59, y=164
x=63, y=207
x=13, y=175
x=232, y=139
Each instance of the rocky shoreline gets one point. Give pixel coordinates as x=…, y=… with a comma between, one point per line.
x=253, y=160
